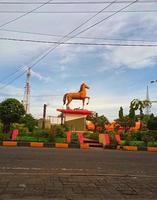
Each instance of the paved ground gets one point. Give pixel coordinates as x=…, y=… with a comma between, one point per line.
x=74, y=174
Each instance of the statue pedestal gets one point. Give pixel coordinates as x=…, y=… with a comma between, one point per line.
x=75, y=119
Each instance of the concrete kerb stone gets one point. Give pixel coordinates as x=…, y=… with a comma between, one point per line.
x=66, y=145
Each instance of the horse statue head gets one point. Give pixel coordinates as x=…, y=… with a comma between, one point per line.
x=83, y=87
x=80, y=95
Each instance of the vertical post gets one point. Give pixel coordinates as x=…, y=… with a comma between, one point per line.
x=62, y=118
x=44, y=116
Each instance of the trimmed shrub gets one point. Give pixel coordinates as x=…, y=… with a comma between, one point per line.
x=149, y=136
x=31, y=139
x=5, y=136
x=74, y=136
x=60, y=131
x=40, y=133
x=91, y=135
x=152, y=144
x=137, y=143
x=123, y=142
x=60, y=140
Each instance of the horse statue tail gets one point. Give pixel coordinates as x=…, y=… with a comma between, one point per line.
x=64, y=98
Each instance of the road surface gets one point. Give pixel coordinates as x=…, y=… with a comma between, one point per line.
x=75, y=174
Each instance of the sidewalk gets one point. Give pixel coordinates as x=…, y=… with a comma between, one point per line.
x=43, y=186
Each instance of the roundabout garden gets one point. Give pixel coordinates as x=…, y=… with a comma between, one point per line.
x=128, y=132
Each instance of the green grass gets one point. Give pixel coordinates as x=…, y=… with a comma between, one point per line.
x=60, y=140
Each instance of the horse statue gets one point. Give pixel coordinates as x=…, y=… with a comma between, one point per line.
x=80, y=95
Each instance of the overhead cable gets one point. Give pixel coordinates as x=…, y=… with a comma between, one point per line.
x=62, y=40
x=79, y=12
x=83, y=37
x=78, y=43
x=74, y=2
x=27, y=13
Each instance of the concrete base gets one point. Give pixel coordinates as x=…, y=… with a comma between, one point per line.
x=75, y=119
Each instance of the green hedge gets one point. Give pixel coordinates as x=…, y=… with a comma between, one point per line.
x=93, y=136
x=123, y=142
x=40, y=133
x=5, y=136
x=152, y=144
x=60, y=140
x=146, y=136
x=31, y=139
x=137, y=143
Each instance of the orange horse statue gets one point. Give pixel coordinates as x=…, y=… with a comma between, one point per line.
x=80, y=95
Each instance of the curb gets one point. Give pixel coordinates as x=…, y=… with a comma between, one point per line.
x=36, y=144
x=84, y=146
x=130, y=148
x=152, y=149
x=9, y=143
x=42, y=145
x=81, y=146
x=61, y=145
x=138, y=148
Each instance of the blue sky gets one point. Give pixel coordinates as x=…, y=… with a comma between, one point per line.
x=115, y=74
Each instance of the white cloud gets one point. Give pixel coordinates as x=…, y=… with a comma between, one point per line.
x=129, y=57
x=41, y=77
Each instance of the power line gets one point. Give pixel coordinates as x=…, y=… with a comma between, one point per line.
x=83, y=37
x=79, y=12
x=118, y=11
x=17, y=18
x=10, y=75
x=80, y=43
x=75, y=2
x=53, y=48
x=27, y=13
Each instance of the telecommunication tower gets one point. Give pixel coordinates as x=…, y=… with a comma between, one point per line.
x=26, y=98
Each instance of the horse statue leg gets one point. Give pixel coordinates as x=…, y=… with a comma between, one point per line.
x=83, y=101
x=88, y=100
x=69, y=99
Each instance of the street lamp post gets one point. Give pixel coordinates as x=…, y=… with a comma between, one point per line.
x=44, y=116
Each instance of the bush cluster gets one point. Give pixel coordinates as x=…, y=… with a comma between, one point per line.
x=91, y=135
x=6, y=136
x=145, y=136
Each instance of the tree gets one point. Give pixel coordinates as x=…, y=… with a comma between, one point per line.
x=121, y=115
x=152, y=123
x=132, y=115
x=137, y=104
x=11, y=110
x=29, y=121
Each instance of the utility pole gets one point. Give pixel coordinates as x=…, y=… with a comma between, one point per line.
x=44, y=116
x=148, y=108
x=26, y=98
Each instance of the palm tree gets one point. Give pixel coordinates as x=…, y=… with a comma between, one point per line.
x=137, y=104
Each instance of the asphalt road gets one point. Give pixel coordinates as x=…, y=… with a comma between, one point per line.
x=69, y=174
